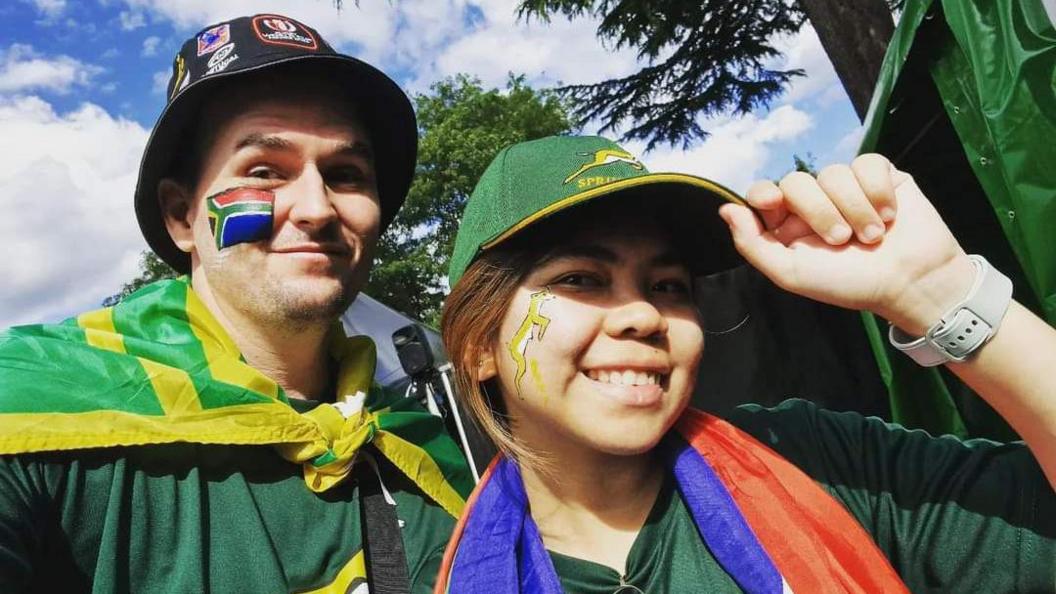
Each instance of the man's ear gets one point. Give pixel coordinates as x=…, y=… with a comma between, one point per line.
x=175, y=202
x=486, y=368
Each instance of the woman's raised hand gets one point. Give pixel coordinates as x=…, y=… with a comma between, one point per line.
x=861, y=236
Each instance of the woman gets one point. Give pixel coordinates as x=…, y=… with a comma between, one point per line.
x=576, y=341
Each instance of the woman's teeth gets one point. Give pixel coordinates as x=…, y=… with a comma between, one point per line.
x=625, y=377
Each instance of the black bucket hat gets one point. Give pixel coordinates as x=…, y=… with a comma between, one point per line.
x=223, y=54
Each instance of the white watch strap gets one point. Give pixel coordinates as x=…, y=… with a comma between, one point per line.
x=966, y=326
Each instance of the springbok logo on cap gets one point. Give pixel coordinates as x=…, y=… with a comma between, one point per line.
x=604, y=157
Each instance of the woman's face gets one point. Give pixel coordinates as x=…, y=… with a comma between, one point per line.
x=600, y=344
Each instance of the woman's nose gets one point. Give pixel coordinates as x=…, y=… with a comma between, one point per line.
x=636, y=319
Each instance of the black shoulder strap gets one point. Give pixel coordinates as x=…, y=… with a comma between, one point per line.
x=382, y=541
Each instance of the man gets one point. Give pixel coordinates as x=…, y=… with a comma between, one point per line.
x=184, y=440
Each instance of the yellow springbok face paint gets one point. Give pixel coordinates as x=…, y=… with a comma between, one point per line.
x=532, y=327
x=538, y=378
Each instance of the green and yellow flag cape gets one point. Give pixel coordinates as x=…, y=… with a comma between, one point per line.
x=158, y=368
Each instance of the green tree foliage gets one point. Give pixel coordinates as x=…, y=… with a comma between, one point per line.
x=710, y=57
x=705, y=57
x=462, y=126
x=806, y=164
x=151, y=268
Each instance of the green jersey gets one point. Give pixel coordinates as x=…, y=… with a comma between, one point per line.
x=195, y=518
x=950, y=515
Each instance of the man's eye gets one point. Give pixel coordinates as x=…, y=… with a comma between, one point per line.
x=345, y=175
x=263, y=172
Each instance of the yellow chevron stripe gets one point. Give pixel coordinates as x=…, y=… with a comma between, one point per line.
x=173, y=387
x=221, y=352
x=99, y=330
x=266, y=423
x=420, y=468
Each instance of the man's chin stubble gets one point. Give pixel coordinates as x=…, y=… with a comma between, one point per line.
x=286, y=307
x=297, y=311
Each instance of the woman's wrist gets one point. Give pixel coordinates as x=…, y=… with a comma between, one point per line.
x=922, y=301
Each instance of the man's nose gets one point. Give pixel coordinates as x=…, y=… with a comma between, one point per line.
x=311, y=205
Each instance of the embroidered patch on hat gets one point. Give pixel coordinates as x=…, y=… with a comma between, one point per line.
x=604, y=157
x=222, y=59
x=213, y=38
x=278, y=30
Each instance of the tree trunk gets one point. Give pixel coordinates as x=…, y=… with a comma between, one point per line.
x=855, y=34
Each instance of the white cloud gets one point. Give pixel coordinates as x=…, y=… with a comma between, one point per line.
x=847, y=148
x=50, y=9
x=804, y=51
x=150, y=46
x=371, y=26
x=561, y=51
x=70, y=238
x=430, y=39
x=131, y=20
x=737, y=150
x=24, y=69
x=161, y=82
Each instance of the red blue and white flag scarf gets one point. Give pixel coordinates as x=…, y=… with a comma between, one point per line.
x=769, y=525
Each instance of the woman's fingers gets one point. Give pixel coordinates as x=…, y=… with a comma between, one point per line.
x=849, y=196
x=876, y=176
x=761, y=249
x=792, y=229
x=843, y=201
x=766, y=198
x=807, y=199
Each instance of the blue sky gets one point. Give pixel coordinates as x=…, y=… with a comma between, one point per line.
x=81, y=83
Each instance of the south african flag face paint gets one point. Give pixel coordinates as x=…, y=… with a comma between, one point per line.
x=240, y=215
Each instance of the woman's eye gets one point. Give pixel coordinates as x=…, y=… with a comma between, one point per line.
x=676, y=286
x=578, y=280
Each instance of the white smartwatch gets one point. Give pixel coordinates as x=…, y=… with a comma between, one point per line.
x=966, y=326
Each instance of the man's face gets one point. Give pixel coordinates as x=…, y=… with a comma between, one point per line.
x=316, y=159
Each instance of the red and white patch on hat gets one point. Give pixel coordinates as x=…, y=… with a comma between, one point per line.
x=278, y=30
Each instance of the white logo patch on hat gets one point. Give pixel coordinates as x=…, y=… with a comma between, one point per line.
x=212, y=39
x=222, y=59
x=282, y=31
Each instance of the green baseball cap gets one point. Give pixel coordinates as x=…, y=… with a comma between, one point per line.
x=531, y=181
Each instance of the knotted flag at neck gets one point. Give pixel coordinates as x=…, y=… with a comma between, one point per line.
x=158, y=368
x=769, y=526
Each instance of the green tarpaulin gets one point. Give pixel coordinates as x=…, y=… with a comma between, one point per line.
x=966, y=102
